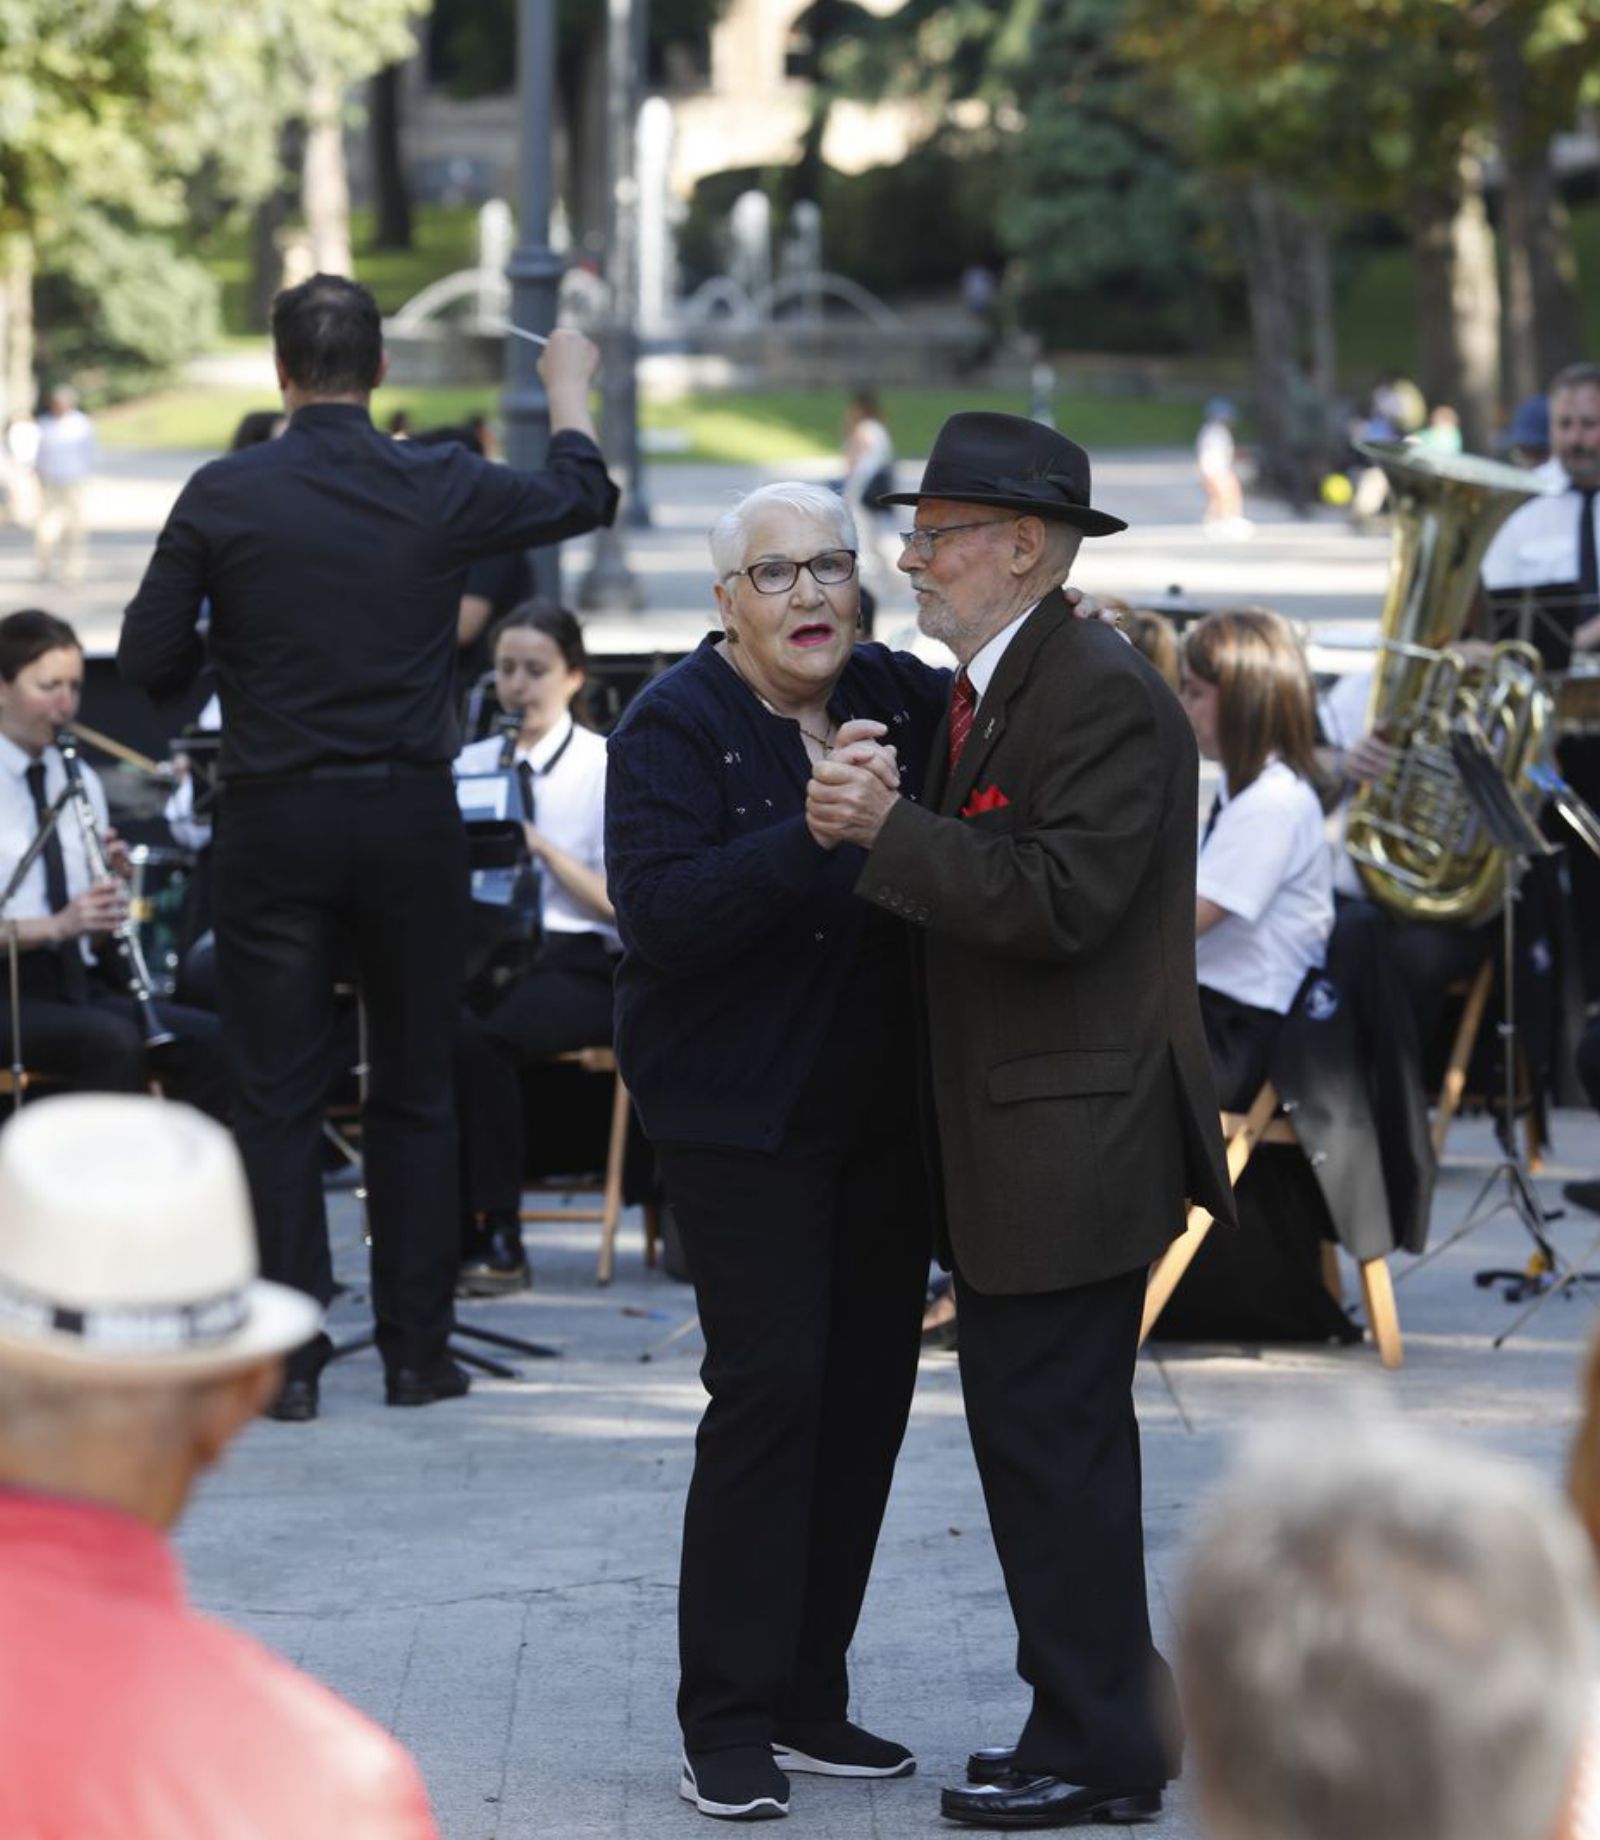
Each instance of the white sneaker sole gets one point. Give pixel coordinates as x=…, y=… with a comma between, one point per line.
x=763, y=1808
x=791, y=1762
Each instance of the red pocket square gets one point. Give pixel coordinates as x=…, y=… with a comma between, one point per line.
x=991, y=798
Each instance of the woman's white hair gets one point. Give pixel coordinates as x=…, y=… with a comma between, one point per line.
x=730, y=535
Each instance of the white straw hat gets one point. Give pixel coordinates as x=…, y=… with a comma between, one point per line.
x=127, y=1249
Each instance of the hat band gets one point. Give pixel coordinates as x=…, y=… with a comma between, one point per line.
x=131, y=1328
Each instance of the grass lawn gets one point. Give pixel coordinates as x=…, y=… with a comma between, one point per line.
x=752, y=428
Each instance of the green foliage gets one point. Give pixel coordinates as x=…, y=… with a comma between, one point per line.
x=109, y=109
x=1096, y=205
x=116, y=301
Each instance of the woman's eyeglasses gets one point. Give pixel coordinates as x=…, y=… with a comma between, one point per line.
x=832, y=569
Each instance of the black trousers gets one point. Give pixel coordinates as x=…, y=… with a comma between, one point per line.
x=98, y=1046
x=309, y=874
x=563, y=1003
x=809, y=1267
x=1048, y=1381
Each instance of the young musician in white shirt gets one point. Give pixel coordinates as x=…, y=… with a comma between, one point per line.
x=1263, y=913
x=563, y=1000
x=78, y=1026
x=1264, y=895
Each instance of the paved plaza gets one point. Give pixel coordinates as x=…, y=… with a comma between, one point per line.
x=493, y=1579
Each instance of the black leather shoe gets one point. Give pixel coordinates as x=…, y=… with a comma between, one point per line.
x=1583, y=1194
x=296, y=1402
x=1047, y=1801
x=414, y=1386
x=994, y=1763
x=493, y=1260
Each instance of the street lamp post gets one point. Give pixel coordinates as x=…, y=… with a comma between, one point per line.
x=610, y=584
x=534, y=269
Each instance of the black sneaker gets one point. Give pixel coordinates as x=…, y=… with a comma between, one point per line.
x=838, y=1748
x=743, y=1784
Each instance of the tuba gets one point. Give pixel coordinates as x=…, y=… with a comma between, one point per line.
x=1413, y=834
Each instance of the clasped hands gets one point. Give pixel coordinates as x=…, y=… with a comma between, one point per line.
x=853, y=789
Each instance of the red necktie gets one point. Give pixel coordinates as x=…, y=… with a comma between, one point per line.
x=963, y=703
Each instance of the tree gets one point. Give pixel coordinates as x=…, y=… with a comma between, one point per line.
x=1397, y=105
x=392, y=229
x=110, y=111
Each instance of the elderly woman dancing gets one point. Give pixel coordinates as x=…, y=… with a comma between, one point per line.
x=764, y=1025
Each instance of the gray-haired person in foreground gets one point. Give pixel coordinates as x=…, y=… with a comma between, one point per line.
x=1383, y=1639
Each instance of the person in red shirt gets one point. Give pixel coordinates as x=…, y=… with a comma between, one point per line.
x=135, y=1342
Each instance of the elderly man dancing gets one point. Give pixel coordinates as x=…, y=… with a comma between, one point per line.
x=1048, y=877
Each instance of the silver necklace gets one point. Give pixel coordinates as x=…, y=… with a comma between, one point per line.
x=825, y=742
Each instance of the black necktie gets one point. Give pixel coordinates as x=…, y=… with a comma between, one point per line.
x=1588, y=562
x=525, y=784
x=1211, y=819
x=74, y=977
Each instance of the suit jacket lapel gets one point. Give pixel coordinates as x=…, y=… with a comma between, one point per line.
x=1010, y=675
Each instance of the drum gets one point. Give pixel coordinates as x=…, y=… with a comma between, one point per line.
x=1577, y=696
x=156, y=898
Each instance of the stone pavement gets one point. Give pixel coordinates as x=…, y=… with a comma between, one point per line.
x=493, y=1579
x=1314, y=569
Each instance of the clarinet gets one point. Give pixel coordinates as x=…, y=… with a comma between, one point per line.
x=510, y=728
x=126, y=937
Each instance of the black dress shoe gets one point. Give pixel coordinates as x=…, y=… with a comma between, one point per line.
x=1584, y=1194
x=493, y=1260
x=296, y=1401
x=994, y=1763
x=1047, y=1801
x=423, y=1386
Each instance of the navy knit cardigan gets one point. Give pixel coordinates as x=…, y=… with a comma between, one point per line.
x=738, y=929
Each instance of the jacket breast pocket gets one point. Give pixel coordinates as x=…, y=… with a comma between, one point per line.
x=1072, y=1073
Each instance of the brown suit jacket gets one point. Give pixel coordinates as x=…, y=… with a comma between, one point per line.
x=1070, y=1086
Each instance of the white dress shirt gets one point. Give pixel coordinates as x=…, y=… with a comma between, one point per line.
x=1538, y=544
x=19, y=826
x=188, y=831
x=987, y=661
x=1266, y=862
x=569, y=794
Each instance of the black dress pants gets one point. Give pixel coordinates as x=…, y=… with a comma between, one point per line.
x=307, y=870
x=98, y=1046
x=809, y=1267
x=563, y=1003
x=1048, y=1382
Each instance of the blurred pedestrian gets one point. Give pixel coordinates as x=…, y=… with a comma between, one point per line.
x=63, y=462
x=1216, y=456
x=868, y=475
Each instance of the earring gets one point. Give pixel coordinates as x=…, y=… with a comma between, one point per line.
x=731, y=634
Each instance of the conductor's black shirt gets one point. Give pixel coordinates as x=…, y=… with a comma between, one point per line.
x=333, y=560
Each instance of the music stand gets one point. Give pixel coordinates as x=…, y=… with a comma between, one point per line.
x=1513, y=832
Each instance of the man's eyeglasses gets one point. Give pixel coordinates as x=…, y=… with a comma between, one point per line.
x=922, y=540
x=777, y=575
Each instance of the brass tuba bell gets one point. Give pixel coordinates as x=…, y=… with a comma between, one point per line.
x=1413, y=834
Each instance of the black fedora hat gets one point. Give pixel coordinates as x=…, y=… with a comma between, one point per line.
x=986, y=459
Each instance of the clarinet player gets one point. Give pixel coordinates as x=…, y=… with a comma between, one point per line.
x=332, y=560
x=80, y=1026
